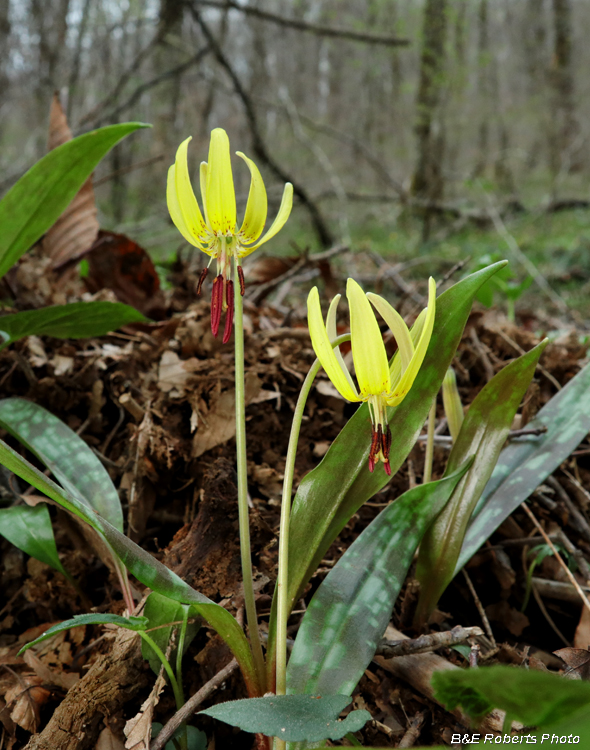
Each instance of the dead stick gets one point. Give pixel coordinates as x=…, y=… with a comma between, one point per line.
x=184, y=714
x=425, y=643
x=480, y=609
x=558, y=557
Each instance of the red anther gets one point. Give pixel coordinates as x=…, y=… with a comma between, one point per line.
x=241, y=280
x=216, y=304
x=229, y=315
x=371, y=464
x=386, y=443
x=375, y=446
x=202, y=278
x=387, y=468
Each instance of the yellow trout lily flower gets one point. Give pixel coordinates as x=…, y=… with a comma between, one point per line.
x=380, y=384
x=215, y=230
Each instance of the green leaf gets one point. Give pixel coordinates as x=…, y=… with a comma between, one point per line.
x=531, y=697
x=77, y=320
x=130, y=623
x=333, y=492
x=30, y=529
x=482, y=435
x=40, y=197
x=528, y=461
x=294, y=718
x=351, y=609
x=144, y=567
x=196, y=740
x=161, y=610
x=65, y=454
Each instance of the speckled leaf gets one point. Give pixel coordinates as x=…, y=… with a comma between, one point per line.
x=65, y=454
x=349, y=612
x=144, y=567
x=482, y=436
x=294, y=718
x=77, y=320
x=29, y=528
x=330, y=494
x=129, y=623
x=39, y=198
x=528, y=461
x=531, y=697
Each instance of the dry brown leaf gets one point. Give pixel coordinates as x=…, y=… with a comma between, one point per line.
x=76, y=229
x=138, y=730
x=219, y=423
x=65, y=680
x=174, y=372
x=107, y=740
x=24, y=700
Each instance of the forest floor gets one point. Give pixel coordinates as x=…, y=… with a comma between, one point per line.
x=156, y=403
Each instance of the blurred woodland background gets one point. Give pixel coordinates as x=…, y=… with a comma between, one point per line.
x=430, y=130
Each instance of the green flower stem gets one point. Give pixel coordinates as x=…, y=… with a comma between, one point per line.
x=428, y=457
x=282, y=581
x=180, y=647
x=249, y=602
x=176, y=688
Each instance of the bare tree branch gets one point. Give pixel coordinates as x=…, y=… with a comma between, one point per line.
x=319, y=224
x=312, y=28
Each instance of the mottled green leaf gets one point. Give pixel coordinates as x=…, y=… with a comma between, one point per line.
x=330, y=494
x=65, y=454
x=349, y=612
x=531, y=697
x=39, y=198
x=160, y=610
x=77, y=320
x=29, y=528
x=130, y=623
x=144, y=567
x=528, y=461
x=294, y=718
x=482, y=436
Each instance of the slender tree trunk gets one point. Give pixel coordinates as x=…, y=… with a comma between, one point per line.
x=428, y=178
x=483, y=89
x=4, y=47
x=562, y=83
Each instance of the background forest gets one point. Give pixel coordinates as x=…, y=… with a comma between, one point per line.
x=471, y=114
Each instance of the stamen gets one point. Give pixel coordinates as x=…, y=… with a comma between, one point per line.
x=216, y=304
x=386, y=443
x=229, y=316
x=375, y=447
x=202, y=278
x=241, y=279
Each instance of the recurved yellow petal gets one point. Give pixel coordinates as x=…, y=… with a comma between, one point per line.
x=256, y=208
x=323, y=348
x=203, y=183
x=221, y=196
x=400, y=391
x=185, y=196
x=332, y=334
x=175, y=212
x=368, y=351
x=278, y=223
x=397, y=326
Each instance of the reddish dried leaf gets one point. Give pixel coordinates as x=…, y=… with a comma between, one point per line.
x=76, y=229
x=118, y=263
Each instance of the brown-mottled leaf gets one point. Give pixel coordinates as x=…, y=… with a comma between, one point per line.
x=76, y=229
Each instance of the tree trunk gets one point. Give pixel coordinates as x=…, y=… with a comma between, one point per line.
x=428, y=178
x=562, y=82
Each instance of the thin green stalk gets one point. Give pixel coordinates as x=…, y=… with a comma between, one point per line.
x=428, y=457
x=180, y=647
x=246, y=555
x=282, y=581
x=177, y=690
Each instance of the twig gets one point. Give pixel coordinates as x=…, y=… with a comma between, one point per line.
x=189, y=708
x=560, y=590
x=425, y=643
x=577, y=519
x=572, y=550
x=413, y=731
x=131, y=168
x=480, y=609
x=521, y=351
x=312, y=28
x=558, y=557
x=548, y=617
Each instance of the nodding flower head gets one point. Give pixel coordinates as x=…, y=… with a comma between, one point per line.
x=214, y=231
x=380, y=384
